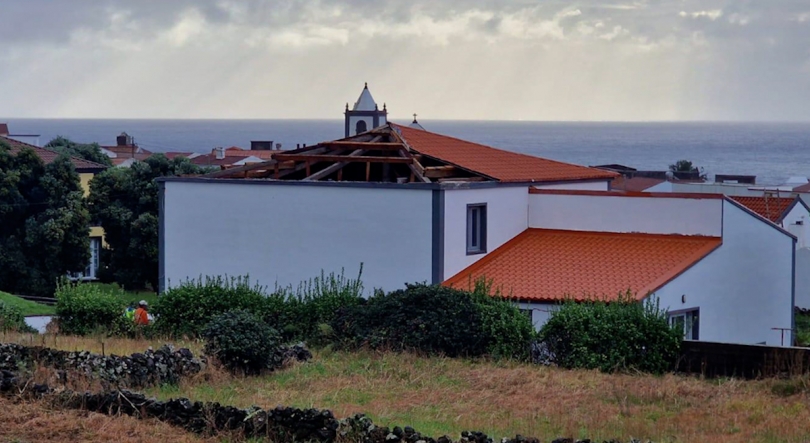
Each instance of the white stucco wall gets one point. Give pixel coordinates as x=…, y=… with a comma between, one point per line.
x=541, y=312
x=743, y=288
x=288, y=233
x=506, y=217
x=369, y=123
x=609, y=213
x=797, y=221
x=660, y=187
x=603, y=185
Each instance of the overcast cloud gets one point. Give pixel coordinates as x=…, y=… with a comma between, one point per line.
x=457, y=59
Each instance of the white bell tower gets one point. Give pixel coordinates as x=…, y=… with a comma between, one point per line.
x=365, y=115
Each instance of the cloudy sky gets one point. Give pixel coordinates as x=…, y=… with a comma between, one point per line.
x=444, y=59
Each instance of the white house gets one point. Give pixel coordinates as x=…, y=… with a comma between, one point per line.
x=414, y=206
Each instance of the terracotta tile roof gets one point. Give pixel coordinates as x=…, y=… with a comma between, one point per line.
x=771, y=208
x=48, y=155
x=802, y=188
x=212, y=160
x=549, y=265
x=501, y=165
x=171, y=155
x=258, y=153
x=634, y=184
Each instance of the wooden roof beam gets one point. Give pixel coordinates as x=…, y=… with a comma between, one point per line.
x=342, y=158
x=325, y=172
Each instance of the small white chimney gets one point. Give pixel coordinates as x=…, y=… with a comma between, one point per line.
x=219, y=152
x=797, y=229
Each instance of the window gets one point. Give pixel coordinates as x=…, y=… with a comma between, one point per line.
x=688, y=321
x=361, y=126
x=476, y=229
x=91, y=270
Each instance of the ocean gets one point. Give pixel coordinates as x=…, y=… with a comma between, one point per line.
x=771, y=151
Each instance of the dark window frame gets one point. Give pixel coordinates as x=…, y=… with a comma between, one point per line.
x=692, y=332
x=476, y=221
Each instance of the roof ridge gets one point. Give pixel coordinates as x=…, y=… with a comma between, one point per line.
x=28, y=145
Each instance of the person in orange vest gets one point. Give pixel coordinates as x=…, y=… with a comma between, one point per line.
x=142, y=314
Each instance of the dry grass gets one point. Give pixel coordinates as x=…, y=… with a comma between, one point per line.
x=106, y=345
x=445, y=396
x=36, y=422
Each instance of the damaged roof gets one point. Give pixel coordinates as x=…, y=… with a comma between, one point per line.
x=395, y=153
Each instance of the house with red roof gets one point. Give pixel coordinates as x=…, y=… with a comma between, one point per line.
x=86, y=170
x=408, y=205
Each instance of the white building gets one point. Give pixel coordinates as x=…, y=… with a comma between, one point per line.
x=413, y=206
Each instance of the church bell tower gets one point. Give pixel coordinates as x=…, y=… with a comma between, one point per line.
x=365, y=115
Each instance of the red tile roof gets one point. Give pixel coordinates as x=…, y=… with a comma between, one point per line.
x=212, y=160
x=634, y=184
x=802, y=188
x=259, y=153
x=48, y=155
x=171, y=155
x=127, y=150
x=550, y=265
x=505, y=166
x=771, y=208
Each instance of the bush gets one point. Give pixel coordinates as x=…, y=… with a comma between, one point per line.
x=12, y=319
x=303, y=313
x=430, y=319
x=625, y=334
x=510, y=333
x=241, y=341
x=85, y=308
x=189, y=307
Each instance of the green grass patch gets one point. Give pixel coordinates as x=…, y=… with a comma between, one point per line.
x=27, y=307
x=129, y=297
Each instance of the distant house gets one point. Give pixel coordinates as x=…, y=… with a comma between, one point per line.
x=30, y=139
x=87, y=170
x=125, y=151
x=413, y=205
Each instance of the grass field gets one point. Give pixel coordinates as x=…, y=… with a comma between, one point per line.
x=445, y=396
x=36, y=422
x=27, y=307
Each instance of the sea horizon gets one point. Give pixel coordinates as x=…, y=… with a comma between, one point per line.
x=774, y=151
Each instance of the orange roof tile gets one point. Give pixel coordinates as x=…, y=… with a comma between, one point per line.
x=550, y=265
x=235, y=151
x=49, y=155
x=505, y=166
x=771, y=208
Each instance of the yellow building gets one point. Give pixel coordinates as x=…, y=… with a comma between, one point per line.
x=87, y=170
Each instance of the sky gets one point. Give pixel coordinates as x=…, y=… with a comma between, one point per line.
x=738, y=60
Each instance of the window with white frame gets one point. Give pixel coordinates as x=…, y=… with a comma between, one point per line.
x=91, y=270
x=476, y=228
x=688, y=322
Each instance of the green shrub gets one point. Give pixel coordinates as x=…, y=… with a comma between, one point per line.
x=301, y=314
x=620, y=335
x=430, y=319
x=186, y=309
x=510, y=333
x=12, y=319
x=241, y=341
x=85, y=308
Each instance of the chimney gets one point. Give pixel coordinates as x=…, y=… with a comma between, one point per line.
x=219, y=152
x=123, y=140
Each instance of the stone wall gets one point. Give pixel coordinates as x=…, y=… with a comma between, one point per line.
x=281, y=425
x=165, y=365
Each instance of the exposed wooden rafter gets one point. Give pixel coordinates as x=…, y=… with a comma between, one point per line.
x=325, y=172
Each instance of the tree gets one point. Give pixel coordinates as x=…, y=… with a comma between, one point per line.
x=88, y=151
x=686, y=168
x=125, y=202
x=683, y=166
x=44, y=222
